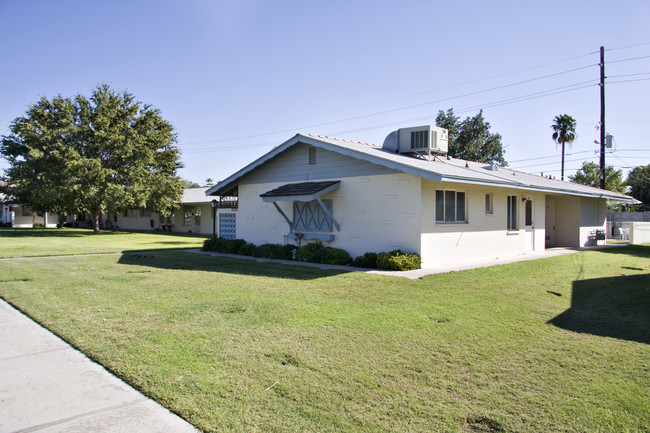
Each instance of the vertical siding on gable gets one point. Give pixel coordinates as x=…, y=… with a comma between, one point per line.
x=293, y=166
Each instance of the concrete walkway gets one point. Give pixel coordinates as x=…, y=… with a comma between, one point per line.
x=46, y=386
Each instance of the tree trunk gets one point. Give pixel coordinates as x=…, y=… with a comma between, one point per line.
x=60, y=224
x=96, y=222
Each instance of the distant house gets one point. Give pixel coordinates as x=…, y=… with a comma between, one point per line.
x=20, y=215
x=193, y=215
x=402, y=195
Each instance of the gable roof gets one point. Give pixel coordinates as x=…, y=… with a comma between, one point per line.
x=440, y=169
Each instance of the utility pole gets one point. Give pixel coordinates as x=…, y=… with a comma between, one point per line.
x=602, y=118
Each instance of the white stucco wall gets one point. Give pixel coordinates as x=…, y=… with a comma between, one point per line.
x=378, y=213
x=483, y=236
x=20, y=221
x=593, y=215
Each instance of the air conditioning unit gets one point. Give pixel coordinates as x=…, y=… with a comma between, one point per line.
x=423, y=139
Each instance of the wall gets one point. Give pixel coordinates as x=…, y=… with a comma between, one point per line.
x=484, y=235
x=567, y=220
x=593, y=213
x=640, y=233
x=378, y=213
x=20, y=221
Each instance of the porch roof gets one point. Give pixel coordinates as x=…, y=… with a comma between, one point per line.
x=303, y=191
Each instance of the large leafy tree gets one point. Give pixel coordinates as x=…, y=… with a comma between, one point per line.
x=639, y=182
x=564, y=132
x=102, y=154
x=471, y=138
x=589, y=174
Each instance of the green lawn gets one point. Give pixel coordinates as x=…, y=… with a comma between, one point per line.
x=554, y=345
x=68, y=241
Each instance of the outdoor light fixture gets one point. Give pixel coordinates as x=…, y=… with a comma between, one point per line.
x=214, y=204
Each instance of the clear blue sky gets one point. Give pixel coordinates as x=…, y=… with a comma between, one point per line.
x=237, y=78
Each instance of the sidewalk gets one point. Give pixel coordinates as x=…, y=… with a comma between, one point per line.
x=46, y=386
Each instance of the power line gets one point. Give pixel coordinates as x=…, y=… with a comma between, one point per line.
x=398, y=109
x=422, y=93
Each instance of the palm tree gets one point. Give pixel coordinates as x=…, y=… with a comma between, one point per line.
x=564, y=132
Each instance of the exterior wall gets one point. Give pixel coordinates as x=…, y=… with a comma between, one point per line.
x=640, y=233
x=20, y=221
x=577, y=220
x=567, y=221
x=134, y=220
x=484, y=235
x=593, y=215
x=378, y=213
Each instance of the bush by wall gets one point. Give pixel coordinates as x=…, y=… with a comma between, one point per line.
x=308, y=252
x=396, y=260
x=368, y=260
x=316, y=253
x=38, y=225
x=274, y=251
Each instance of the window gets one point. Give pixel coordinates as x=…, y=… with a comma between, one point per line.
x=512, y=212
x=26, y=211
x=488, y=204
x=528, y=216
x=309, y=216
x=450, y=206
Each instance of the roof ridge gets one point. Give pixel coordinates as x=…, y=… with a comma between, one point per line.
x=339, y=139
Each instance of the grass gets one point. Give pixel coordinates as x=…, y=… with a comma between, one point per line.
x=560, y=344
x=68, y=241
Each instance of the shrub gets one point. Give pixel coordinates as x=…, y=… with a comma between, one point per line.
x=396, y=260
x=232, y=246
x=333, y=256
x=308, y=252
x=274, y=251
x=368, y=260
x=247, y=249
x=38, y=225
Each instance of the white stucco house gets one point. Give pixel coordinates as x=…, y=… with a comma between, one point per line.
x=362, y=197
x=21, y=216
x=193, y=215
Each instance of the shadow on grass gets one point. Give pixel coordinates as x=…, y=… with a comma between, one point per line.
x=187, y=261
x=615, y=307
x=630, y=250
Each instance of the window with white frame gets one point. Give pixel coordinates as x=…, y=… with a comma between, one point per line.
x=489, y=207
x=450, y=206
x=512, y=212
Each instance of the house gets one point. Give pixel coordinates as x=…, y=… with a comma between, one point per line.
x=20, y=215
x=402, y=195
x=193, y=215
x=362, y=197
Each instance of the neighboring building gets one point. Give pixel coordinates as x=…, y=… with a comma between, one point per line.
x=21, y=216
x=194, y=215
x=361, y=197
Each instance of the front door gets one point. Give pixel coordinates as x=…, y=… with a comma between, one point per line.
x=550, y=222
x=529, y=228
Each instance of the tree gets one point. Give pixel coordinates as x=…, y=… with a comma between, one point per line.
x=190, y=184
x=564, y=132
x=471, y=139
x=589, y=174
x=639, y=182
x=103, y=154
